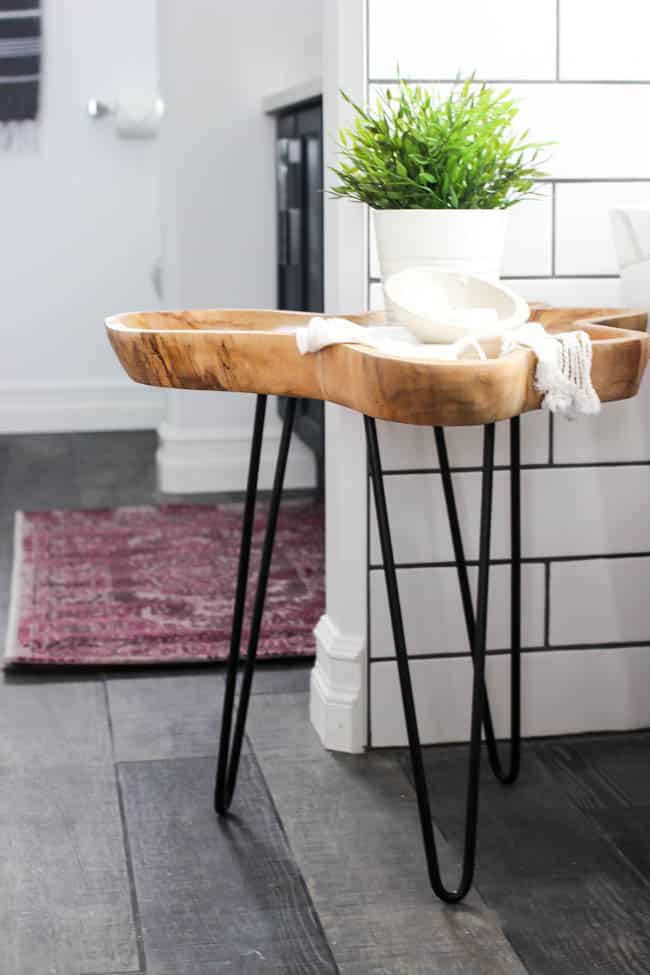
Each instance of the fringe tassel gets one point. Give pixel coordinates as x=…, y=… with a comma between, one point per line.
x=563, y=371
x=22, y=135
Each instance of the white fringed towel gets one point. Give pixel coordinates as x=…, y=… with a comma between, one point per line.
x=563, y=371
x=392, y=340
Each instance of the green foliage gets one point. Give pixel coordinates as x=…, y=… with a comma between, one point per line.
x=419, y=152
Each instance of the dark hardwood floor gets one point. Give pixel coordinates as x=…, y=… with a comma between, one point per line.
x=113, y=863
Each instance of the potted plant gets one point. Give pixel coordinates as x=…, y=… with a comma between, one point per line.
x=439, y=174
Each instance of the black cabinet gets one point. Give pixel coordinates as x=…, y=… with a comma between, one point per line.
x=299, y=176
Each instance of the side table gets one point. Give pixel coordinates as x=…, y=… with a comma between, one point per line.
x=255, y=352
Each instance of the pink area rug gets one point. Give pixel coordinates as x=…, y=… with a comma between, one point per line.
x=152, y=585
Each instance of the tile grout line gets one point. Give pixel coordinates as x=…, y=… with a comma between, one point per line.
x=543, y=277
x=547, y=605
x=614, y=82
x=559, y=465
x=557, y=40
x=527, y=649
x=525, y=560
x=554, y=230
x=135, y=907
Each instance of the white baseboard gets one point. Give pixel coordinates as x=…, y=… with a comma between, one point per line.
x=68, y=408
x=337, y=702
x=199, y=460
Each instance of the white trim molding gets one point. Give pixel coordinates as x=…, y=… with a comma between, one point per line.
x=337, y=705
x=201, y=460
x=76, y=407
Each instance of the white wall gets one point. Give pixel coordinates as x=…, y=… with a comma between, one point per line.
x=79, y=227
x=218, y=62
x=585, y=81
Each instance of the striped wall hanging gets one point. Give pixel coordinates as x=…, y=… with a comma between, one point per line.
x=20, y=64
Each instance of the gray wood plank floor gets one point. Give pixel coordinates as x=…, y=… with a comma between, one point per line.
x=113, y=863
x=563, y=856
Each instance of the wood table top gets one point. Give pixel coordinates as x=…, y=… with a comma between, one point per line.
x=254, y=351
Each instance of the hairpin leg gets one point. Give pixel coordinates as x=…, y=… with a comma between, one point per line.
x=478, y=652
x=230, y=745
x=515, y=603
x=509, y=775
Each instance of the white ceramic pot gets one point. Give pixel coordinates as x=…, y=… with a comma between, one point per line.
x=466, y=241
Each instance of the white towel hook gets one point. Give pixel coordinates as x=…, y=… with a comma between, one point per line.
x=97, y=108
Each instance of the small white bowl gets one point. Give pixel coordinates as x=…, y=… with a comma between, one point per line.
x=444, y=306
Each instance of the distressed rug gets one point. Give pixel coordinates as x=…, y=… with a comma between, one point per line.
x=155, y=585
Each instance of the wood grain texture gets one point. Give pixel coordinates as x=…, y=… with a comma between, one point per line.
x=216, y=895
x=255, y=352
x=605, y=777
x=52, y=723
x=353, y=827
x=560, y=859
x=165, y=716
x=64, y=893
x=65, y=903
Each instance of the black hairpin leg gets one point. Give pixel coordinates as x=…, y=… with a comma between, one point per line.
x=230, y=744
x=509, y=775
x=478, y=651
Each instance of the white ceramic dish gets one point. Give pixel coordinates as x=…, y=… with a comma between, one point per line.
x=444, y=306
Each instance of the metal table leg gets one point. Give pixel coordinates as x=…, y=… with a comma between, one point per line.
x=479, y=627
x=230, y=743
x=509, y=775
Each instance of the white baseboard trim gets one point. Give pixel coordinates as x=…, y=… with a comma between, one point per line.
x=71, y=407
x=564, y=692
x=197, y=460
x=337, y=702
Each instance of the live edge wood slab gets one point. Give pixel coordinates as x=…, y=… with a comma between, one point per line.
x=255, y=352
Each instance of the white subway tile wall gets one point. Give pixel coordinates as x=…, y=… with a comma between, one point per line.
x=581, y=292
x=600, y=601
x=621, y=434
x=419, y=526
x=431, y=604
x=492, y=39
x=529, y=238
x=584, y=688
x=604, y=41
x=566, y=511
x=584, y=82
x=583, y=239
x=414, y=447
